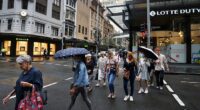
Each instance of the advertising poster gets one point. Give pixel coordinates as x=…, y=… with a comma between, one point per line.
x=176, y=53
x=195, y=53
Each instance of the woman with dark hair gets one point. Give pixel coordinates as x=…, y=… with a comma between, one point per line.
x=80, y=82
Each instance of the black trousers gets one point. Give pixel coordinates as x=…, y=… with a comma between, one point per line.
x=159, y=77
x=83, y=92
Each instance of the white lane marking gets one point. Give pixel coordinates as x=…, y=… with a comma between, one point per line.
x=12, y=97
x=66, y=65
x=50, y=84
x=69, y=78
x=57, y=64
x=49, y=63
x=169, y=88
x=43, y=87
x=164, y=82
x=178, y=100
x=42, y=63
x=190, y=82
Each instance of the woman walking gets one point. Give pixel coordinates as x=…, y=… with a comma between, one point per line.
x=130, y=68
x=112, y=69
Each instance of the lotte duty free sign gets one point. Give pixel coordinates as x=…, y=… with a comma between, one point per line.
x=175, y=12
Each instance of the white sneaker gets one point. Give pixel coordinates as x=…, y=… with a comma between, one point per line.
x=110, y=95
x=104, y=84
x=157, y=87
x=161, y=88
x=126, y=97
x=97, y=85
x=141, y=90
x=131, y=98
x=146, y=91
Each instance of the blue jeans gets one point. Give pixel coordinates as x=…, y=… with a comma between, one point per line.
x=132, y=80
x=111, y=79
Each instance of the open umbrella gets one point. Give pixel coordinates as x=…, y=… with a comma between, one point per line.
x=148, y=52
x=71, y=52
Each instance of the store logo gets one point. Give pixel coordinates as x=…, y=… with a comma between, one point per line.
x=21, y=39
x=175, y=12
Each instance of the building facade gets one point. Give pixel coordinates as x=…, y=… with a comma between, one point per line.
x=70, y=23
x=30, y=26
x=174, y=27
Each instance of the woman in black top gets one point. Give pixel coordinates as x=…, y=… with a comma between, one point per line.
x=29, y=77
x=130, y=65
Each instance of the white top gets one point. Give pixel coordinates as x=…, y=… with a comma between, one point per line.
x=161, y=63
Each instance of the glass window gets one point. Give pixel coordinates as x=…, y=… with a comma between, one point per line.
x=40, y=8
x=24, y=4
x=10, y=24
x=52, y=49
x=85, y=31
x=57, y=2
x=38, y=48
x=40, y=28
x=82, y=29
x=10, y=4
x=1, y=3
x=79, y=28
x=7, y=45
x=23, y=25
x=70, y=31
x=66, y=30
x=55, y=14
x=21, y=47
x=54, y=31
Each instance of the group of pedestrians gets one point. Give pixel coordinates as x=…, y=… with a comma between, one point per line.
x=107, y=69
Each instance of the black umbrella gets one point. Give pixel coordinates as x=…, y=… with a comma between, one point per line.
x=148, y=52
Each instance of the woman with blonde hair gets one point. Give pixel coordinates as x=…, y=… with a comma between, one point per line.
x=130, y=68
x=111, y=68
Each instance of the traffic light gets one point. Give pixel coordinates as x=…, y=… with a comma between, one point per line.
x=142, y=27
x=143, y=30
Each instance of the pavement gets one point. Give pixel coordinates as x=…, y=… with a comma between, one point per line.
x=174, y=68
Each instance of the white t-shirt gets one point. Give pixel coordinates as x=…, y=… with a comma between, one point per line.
x=161, y=62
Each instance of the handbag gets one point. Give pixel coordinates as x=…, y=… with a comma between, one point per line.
x=32, y=101
x=126, y=74
x=73, y=90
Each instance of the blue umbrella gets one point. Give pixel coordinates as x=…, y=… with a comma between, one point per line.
x=71, y=52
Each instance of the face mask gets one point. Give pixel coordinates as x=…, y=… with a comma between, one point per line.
x=141, y=55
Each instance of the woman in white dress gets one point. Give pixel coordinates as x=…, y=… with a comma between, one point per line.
x=143, y=76
x=101, y=70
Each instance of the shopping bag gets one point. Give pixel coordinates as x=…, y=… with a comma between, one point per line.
x=32, y=101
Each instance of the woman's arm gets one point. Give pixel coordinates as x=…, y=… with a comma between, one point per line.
x=6, y=99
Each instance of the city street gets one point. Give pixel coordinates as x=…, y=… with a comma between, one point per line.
x=181, y=92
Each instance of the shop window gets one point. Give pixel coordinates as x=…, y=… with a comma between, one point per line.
x=24, y=4
x=10, y=4
x=7, y=45
x=195, y=41
x=38, y=48
x=52, y=49
x=21, y=47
